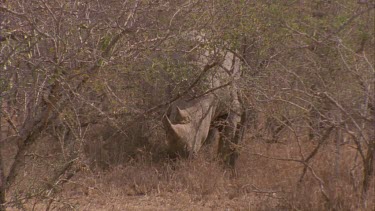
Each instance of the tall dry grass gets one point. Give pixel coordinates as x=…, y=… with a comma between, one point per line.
x=267, y=177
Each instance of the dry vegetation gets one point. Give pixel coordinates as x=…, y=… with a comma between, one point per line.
x=266, y=178
x=84, y=86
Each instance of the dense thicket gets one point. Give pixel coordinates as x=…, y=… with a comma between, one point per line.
x=95, y=77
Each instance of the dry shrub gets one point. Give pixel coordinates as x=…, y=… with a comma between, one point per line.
x=143, y=177
x=134, y=179
x=200, y=176
x=42, y=166
x=106, y=146
x=264, y=169
x=262, y=181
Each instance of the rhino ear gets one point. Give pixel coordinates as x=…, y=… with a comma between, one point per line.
x=182, y=116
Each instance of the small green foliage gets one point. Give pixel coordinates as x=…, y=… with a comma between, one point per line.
x=105, y=41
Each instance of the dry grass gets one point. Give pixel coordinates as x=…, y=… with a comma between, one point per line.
x=261, y=182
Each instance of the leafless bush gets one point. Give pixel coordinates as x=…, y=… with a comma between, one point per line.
x=84, y=84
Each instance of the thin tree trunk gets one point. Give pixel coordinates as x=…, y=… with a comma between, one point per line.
x=2, y=182
x=368, y=171
x=31, y=131
x=2, y=175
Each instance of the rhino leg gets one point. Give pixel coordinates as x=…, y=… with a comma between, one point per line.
x=237, y=140
x=231, y=138
x=211, y=144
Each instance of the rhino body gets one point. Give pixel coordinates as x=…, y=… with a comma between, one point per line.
x=189, y=124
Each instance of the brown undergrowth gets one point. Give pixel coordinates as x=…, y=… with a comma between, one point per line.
x=267, y=177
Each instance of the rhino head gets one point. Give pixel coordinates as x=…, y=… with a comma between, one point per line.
x=187, y=126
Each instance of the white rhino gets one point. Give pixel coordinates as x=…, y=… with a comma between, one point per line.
x=190, y=124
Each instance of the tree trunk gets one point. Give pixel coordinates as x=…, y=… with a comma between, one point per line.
x=2, y=182
x=2, y=177
x=31, y=130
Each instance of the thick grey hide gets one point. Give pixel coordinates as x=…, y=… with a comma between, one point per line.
x=187, y=125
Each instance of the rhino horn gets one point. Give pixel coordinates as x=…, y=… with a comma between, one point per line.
x=171, y=128
x=178, y=131
x=166, y=122
x=182, y=116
